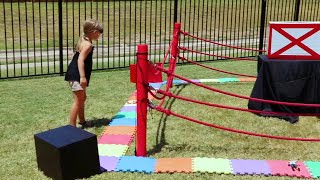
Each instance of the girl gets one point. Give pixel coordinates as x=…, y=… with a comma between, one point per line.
x=79, y=70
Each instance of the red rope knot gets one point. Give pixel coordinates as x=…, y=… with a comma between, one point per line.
x=182, y=58
x=182, y=48
x=169, y=72
x=184, y=32
x=169, y=94
x=167, y=112
x=158, y=67
x=176, y=35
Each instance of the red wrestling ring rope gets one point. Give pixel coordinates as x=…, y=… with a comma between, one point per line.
x=168, y=52
x=235, y=47
x=215, y=69
x=207, y=54
x=166, y=56
x=168, y=112
x=239, y=96
x=169, y=94
x=154, y=95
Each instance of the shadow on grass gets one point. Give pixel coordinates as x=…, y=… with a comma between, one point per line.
x=95, y=122
x=161, y=138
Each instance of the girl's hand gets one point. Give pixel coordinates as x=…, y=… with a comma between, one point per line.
x=83, y=82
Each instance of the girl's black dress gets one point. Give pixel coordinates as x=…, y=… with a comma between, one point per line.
x=73, y=71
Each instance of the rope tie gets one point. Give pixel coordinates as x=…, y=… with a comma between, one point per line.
x=167, y=112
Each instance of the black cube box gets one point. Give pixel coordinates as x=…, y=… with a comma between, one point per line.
x=67, y=152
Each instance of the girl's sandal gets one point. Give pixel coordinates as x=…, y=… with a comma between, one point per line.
x=86, y=124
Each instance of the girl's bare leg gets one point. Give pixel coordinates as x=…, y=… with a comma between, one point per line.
x=77, y=108
x=81, y=108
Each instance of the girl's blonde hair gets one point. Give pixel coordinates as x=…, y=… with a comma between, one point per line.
x=90, y=25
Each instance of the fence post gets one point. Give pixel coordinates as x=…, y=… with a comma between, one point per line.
x=175, y=11
x=174, y=52
x=296, y=10
x=142, y=99
x=262, y=24
x=60, y=38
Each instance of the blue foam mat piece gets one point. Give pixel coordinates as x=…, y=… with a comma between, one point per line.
x=121, y=114
x=156, y=85
x=123, y=122
x=224, y=80
x=136, y=164
x=179, y=82
x=182, y=81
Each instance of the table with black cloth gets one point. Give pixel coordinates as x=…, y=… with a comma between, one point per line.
x=288, y=81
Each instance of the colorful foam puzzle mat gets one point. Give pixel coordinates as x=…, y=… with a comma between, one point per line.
x=136, y=164
x=211, y=165
x=117, y=137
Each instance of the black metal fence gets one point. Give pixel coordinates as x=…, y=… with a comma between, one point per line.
x=38, y=37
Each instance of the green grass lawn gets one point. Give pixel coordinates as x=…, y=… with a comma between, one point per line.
x=30, y=106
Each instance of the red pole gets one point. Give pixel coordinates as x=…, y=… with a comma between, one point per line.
x=142, y=99
x=174, y=51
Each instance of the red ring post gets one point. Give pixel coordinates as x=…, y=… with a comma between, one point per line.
x=142, y=99
x=174, y=51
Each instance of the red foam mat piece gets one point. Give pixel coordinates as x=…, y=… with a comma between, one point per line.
x=281, y=168
x=115, y=139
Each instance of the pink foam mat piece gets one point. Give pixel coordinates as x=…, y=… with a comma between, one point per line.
x=281, y=168
x=115, y=139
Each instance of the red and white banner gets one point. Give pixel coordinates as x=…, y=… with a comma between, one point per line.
x=294, y=40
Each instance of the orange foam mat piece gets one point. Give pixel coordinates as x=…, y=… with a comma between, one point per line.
x=131, y=102
x=150, y=97
x=247, y=79
x=116, y=130
x=132, y=98
x=172, y=165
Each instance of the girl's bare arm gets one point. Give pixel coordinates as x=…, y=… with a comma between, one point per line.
x=85, y=50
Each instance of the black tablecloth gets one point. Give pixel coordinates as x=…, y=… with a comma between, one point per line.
x=289, y=81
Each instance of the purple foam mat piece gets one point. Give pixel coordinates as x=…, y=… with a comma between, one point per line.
x=196, y=80
x=240, y=166
x=108, y=163
x=128, y=108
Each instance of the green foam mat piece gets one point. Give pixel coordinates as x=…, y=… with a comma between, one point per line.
x=128, y=115
x=212, y=165
x=314, y=168
x=224, y=80
x=112, y=150
x=208, y=80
